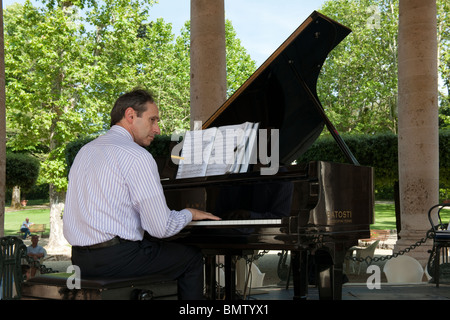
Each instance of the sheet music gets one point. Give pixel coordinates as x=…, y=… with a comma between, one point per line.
x=249, y=151
x=216, y=151
x=229, y=141
x=197, y=147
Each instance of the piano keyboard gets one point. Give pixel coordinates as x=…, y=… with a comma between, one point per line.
x=235, y=223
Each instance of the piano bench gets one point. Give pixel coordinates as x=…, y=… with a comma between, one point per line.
x=58, y=286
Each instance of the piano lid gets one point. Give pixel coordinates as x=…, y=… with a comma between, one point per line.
x=282, y=95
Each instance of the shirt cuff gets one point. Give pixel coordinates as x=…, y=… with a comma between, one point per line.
x=187, y=214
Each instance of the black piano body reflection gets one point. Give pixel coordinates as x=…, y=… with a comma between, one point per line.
x=316, y=210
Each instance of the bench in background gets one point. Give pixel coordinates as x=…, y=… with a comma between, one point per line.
x=35, y=228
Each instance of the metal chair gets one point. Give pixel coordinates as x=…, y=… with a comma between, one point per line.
x=12, y=251
x=441, y=242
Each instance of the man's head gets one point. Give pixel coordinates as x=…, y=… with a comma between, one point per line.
x=34, y=240
x=137, y=112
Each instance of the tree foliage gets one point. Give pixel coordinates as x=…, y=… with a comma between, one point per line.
x=21, y=170
x=44, y=59
x=358, y=83
x=67, y=62
x=444, y=62
x=358, y=86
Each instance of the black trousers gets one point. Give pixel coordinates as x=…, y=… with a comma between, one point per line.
x=147, y=257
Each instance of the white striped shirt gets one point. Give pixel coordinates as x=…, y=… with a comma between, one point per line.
x=114, y=190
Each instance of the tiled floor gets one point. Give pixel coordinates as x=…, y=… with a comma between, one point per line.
x=361, y=292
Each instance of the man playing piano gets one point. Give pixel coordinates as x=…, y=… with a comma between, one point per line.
x=114, y=196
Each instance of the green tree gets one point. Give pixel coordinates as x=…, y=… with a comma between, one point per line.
x=22, y=171
x=66, y=63
x=66, y=69
x=358, y=83
x=44, y=59
x=240, y=66
x=444, y=62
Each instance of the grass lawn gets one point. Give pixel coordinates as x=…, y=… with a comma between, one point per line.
x=384, y=218
x=14, y=219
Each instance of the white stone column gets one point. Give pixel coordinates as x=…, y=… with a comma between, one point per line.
x=208, y=58
x=418, y=136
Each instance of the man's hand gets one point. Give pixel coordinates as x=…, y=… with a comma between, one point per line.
x=36, y=256
x=202, y=215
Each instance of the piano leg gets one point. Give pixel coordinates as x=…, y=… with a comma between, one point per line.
x=299, y=261
x=338, y=277
x=230, y=277
x=210, y=277
x=329, y=276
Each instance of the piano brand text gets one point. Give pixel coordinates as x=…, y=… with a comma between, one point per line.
x=340, y=215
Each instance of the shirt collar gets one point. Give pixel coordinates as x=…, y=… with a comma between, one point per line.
x=122, y=131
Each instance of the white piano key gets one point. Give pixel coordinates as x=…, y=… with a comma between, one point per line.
x=224, y=223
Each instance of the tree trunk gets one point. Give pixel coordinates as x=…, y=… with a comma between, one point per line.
x=57, y=244
x=15, y=199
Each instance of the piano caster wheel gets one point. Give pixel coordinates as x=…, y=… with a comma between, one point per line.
x=141, y=294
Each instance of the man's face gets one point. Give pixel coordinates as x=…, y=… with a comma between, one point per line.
x=145, y=127
x=34, y=240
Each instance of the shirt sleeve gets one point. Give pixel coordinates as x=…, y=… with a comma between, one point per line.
x=148, y=200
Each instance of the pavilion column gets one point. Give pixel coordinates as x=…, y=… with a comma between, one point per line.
x=418, y=136
x=208, y=58
x=2, y=126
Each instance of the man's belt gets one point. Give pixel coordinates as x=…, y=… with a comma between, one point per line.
x=114, y=241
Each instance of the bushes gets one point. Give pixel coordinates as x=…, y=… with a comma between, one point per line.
x=73, y=147
x=444, y=159
x=21, y=170
x=379, y=151
x=159, y=147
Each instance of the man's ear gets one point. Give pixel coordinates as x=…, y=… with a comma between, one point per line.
x=129, y=114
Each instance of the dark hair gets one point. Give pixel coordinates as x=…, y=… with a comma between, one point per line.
x=136, y=99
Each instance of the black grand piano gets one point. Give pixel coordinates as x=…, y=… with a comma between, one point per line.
x=316, y=210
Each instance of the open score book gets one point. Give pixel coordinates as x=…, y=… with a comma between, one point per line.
x=218, y=150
